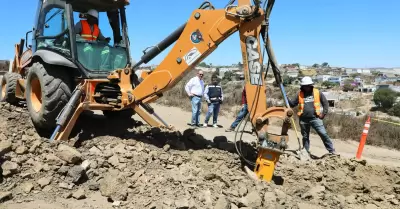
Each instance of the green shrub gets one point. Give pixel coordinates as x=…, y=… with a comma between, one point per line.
x=385, y=98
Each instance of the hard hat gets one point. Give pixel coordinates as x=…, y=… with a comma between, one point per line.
x=306, y=81
x=93, y=13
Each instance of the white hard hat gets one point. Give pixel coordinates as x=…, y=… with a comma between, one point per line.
x=306, y=81
x=93, y=13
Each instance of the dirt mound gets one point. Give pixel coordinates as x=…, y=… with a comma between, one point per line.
x=140, y=167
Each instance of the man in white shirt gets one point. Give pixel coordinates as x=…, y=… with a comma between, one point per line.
x=195, y=90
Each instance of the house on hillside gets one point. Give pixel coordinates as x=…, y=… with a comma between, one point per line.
x=332, y=98
x=386, y=77
x=388, y=86
x=323, y=78
x=292, y=74
x=309, y=72
x=335, y=79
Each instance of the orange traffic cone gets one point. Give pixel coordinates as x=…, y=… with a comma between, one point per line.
x=363, y=137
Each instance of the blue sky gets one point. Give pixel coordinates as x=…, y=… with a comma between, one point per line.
x=356, y=33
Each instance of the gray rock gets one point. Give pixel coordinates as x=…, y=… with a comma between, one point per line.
x=313, y=192
x=269, y=198
x=242, y=191
x=182, y=203
x=44, y=181
x=394, y=201
x=307, y=206
x=120, y=148
x=9, y=168
x=351, y=199
x=5, y=196
x=27, y=187
x=35, y=145
x=210, y=176
x=166, y=147
x=76, y=173
x=3, y=137
x=69, y=154
x=164, y=157
x=396, y=189
x=86, y=164
x=95, y=151
x=116, y=203
x=377, y=196
x=371, y=206
x=65, y=185
x=51, y=159
x=138, y=173
x=252, y=199
x=222, y=203
x=25, y=138
x=21, y=150
x=79, y=194
x=26, y=175
x=94, y=186
x=114, y=187
x=63, y=170
x=233, y=206
x=5, y=147
x=114, y=161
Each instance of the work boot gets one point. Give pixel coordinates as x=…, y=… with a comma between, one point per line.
x=230, y=129
x=215, y=126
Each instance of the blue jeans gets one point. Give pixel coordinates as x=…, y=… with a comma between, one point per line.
x=243, y=112
x=196, y=106
x=213, y=108
x=318, y=126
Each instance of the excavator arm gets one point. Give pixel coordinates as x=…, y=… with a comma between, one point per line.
x=199, y=37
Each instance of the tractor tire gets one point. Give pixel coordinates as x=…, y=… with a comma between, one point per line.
x=48, y=90
x=8, y=85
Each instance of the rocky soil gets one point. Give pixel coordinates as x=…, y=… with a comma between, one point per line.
x=134, y=166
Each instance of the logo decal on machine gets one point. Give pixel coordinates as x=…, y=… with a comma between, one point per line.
x=253, y=61
x=196, y=37
x=192, y=56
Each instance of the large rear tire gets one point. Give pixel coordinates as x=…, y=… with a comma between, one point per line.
x=8, y=85
x=48, y=90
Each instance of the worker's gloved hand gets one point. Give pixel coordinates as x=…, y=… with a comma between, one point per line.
x=208, y=102
x=108, y=39
x=321, y=116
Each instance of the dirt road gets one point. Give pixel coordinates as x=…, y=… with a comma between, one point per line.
x=374, y=155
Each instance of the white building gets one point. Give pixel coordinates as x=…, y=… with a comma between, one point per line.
x=335, y=79
x=358, y=70
x=323, y=78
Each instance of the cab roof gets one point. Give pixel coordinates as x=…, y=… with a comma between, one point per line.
x=99, y=5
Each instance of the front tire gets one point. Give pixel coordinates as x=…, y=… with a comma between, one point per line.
x=8, y=86
x=48, y=90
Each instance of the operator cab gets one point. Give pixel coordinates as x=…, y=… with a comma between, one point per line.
x=59, y=23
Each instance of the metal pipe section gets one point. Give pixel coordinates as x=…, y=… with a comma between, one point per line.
x=66, y=113
x=150, y=110
x=156, y=50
